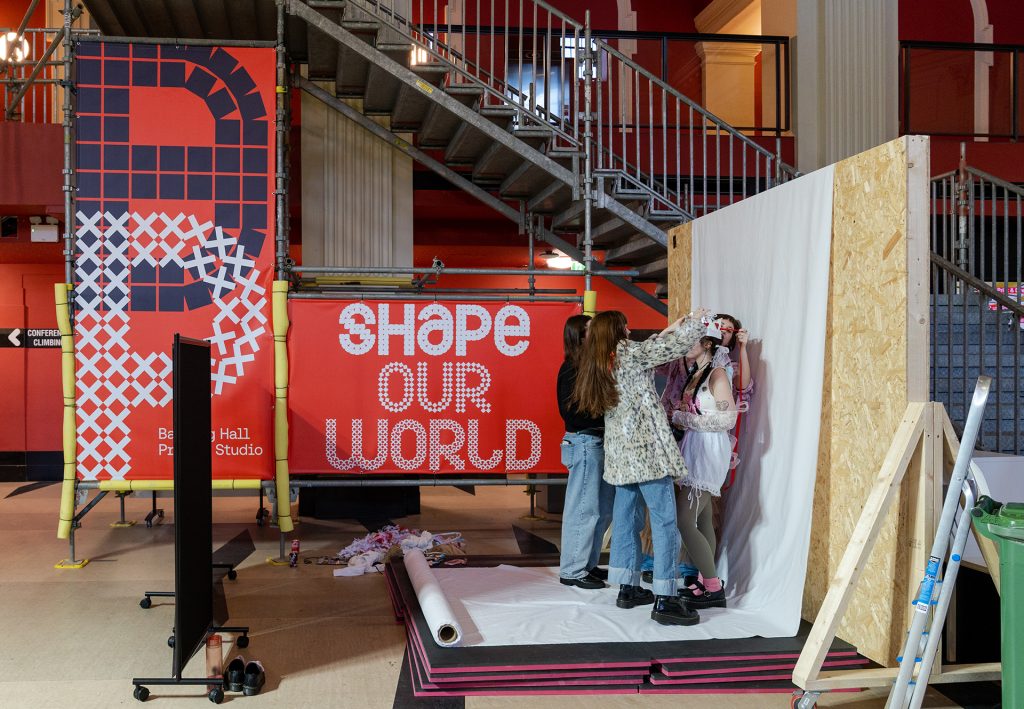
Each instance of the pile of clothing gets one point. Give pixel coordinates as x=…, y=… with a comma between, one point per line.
x=370, y=552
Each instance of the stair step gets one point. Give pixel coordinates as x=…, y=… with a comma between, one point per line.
x=525, y=181
x=654, y=271
x=439, y=125
x=637, y=249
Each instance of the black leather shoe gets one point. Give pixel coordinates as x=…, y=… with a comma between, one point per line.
x=589, y=582
x=255, y=678
x=600, y=573
x=705, y=599
x=647, y=576
x=632, y=596
x=669, y=611
x=234, y=675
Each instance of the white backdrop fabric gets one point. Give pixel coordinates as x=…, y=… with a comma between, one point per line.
x=766, y=261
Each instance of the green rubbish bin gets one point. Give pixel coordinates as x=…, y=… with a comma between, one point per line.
x=1004, y=524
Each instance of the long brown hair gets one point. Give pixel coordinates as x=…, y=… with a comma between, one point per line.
x=595, y=391
x=573, y=333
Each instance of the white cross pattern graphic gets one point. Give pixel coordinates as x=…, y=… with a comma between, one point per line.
x=112, y=378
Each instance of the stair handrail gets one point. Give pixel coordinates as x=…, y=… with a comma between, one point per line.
x=983, y=288
x=549, y=45
x=496, y=87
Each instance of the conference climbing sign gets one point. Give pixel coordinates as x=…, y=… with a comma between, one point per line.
x=173, y=235
x=431, y=388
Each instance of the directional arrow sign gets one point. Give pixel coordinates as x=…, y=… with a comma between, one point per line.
x=29, y=338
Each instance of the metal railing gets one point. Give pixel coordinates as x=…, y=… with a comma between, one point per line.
x=527, y=55
x=41, y=102
x=978, y=309
x=938, y=82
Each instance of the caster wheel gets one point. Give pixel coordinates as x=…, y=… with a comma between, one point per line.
x=146, y=602
x=141, y=693
x=216, y=695
x=232, y=574
x=794, y=701
x=243, y=641
x=170, y=641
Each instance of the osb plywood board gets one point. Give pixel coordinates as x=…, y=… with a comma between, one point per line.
x=865, y=393
x=680, y=253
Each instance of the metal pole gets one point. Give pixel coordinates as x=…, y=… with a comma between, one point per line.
x=436, y=298
x=386, y=270
x=281, y=179
x=39, y=66
x=588, y=186
x=529, y=236
x=69, y=141
x=962, y=204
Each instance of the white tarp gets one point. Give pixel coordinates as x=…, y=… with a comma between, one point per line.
x=766, y=261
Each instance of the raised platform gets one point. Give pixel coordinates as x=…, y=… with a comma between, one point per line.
x=738, y=665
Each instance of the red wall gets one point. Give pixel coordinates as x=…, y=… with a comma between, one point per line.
x=33, y=157
x=29, y=378
x=953, y=20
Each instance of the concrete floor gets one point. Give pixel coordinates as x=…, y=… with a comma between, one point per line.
x=75, y=638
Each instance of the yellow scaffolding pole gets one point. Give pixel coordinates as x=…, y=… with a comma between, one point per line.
x=280, y=307
x=590, y=302
x=70, y=434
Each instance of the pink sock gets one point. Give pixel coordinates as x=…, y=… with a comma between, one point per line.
x=712, y=584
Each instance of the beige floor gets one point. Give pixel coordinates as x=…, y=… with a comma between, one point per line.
x=75, y=638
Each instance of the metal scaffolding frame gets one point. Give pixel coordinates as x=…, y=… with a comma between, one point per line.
x=285, y=269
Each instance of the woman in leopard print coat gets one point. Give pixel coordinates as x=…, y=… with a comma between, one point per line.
x=616, y=378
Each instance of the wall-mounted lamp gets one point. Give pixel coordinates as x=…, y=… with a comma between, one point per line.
x=13, y=47
x=556, y=259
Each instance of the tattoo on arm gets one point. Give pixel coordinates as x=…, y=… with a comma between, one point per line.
x=722, y=405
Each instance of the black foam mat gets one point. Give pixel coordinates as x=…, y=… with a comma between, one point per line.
x=751, y=664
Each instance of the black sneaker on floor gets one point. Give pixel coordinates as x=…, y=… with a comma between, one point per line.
x=633, y=596
x=647, y=576
x=589, y=582
x=255, y=678
x=234, y=675
x=600, y=573
x=669, y=611
x=703, y=599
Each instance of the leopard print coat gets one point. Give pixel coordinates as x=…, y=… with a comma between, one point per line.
x=638, y=443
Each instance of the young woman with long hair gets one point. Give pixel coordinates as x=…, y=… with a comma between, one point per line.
x=616, y=378
x=706, y=412
x=588, y=498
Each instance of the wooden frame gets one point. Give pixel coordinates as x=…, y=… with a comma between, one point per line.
x=926, y=447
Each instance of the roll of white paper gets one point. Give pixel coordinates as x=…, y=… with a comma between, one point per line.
x=438, y=614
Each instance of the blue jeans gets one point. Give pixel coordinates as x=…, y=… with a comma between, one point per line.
x=628, y=520
x=588, y=504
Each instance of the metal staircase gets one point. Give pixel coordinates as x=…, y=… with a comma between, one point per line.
x=510, y=100
x=517, y=104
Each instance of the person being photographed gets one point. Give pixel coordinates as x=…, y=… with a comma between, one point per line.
x=706, y=412
x=615, y=378
x=588, y=498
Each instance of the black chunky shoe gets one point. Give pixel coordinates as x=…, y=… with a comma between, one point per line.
x=669, y=611
x=632, y=596
x=234, y=675
x=600, y=573
x=647, y=576
x=703, y=599
x=589, y=582
x=255, y=678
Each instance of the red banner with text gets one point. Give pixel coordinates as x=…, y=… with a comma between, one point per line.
x=174, y=215
x=425, y=388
